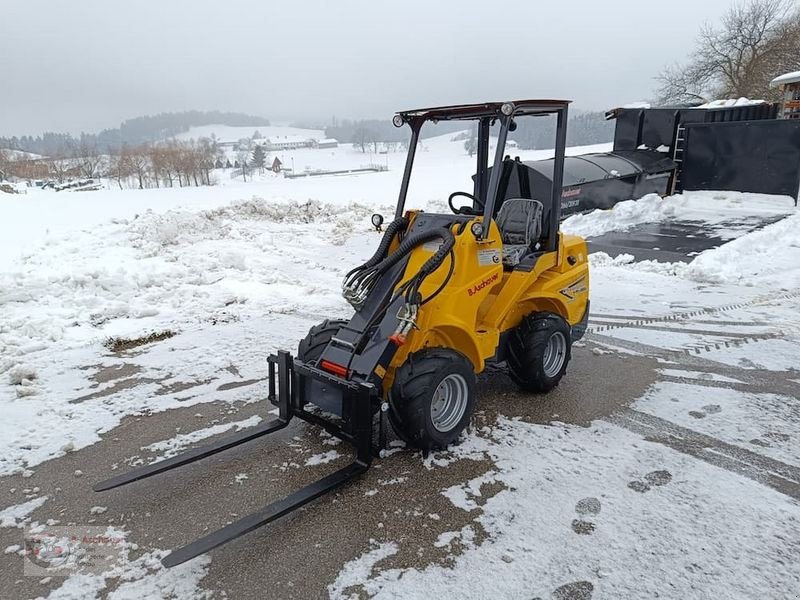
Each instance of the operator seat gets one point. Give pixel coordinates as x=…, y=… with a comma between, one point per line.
x=520, y=224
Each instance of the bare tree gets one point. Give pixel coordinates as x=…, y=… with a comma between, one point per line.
x=120, y=165
x=362, y=138
x=207, y=152
x=87, y=158
x=59, y=167
x=139, y=164
x=157, y=164
x=756, y=41
x=243, y=158
x=172, y=163
x=5, y=164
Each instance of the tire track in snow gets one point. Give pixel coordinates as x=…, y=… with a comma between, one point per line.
x=781, y=477
x=635, y=321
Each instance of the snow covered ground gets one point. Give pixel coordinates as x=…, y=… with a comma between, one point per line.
x=231, y=133
x=690, y=492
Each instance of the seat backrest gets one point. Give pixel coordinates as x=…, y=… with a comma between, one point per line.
x=520, y=221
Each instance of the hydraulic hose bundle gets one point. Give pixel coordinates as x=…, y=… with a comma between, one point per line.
x=407, y=315
x=359, y=282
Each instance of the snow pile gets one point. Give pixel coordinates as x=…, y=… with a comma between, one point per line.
x=10, y=187
x=721, y=211
x=251, y=261
x=162, y=264
x=622, y=217
x=769, y=256
x=601, y=259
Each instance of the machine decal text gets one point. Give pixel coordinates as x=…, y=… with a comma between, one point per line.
x=479, y=286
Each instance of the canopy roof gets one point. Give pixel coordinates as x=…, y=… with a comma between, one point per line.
x=468, y=112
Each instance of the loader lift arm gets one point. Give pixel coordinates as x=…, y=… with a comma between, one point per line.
x=358, y=431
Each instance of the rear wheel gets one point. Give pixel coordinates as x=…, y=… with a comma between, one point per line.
x=539, y=351
x=312, y=346
x=432, y=398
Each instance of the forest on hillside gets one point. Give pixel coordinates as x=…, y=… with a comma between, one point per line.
x=140, y=130
x=584, y=128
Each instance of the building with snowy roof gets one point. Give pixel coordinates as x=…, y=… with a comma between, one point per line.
x=288, y=142
x=790, y=88
x=325, y=143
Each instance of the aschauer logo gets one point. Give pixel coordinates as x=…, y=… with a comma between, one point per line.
x=479, y=286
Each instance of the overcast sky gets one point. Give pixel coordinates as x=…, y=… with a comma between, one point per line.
x=89, y=64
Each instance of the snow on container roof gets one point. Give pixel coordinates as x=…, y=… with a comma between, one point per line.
x=728, y=102
x=787, y=78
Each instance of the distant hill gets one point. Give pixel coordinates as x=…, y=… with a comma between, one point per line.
x=133, y=131
x=150, y=129
x=11, y=154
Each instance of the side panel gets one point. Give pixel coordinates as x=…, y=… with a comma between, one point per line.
x=747, y=156
x=628, y=129
x=658, y=127
x=560, y=287
x=450, y=316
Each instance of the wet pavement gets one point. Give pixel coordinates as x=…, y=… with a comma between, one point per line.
x=674, y=241
x=300, y=555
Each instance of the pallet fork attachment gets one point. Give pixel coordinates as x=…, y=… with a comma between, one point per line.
x=290, y=373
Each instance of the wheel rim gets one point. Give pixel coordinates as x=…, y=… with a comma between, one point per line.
x=449, y=402
x=554, y=354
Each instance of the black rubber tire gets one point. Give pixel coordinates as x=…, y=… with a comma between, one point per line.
x=311, y=347
x=525, y=351
x=412, y=393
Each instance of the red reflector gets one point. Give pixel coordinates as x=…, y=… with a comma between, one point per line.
x=334, y=368
x=397, y=339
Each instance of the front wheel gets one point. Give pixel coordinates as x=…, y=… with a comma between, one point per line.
x=432, y=398
x=539, y=351
x=313, y=345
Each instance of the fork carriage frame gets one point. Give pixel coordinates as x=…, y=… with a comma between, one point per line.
x=287, y=378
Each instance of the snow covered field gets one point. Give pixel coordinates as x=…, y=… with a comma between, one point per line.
x=235, y=271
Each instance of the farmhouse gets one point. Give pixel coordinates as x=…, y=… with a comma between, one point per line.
x=325, y=143
x=288, y=142
x=790, y=84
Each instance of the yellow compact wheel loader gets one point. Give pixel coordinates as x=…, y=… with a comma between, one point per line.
x=443, y=295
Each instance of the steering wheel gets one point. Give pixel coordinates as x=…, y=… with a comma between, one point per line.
x=465, y=210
